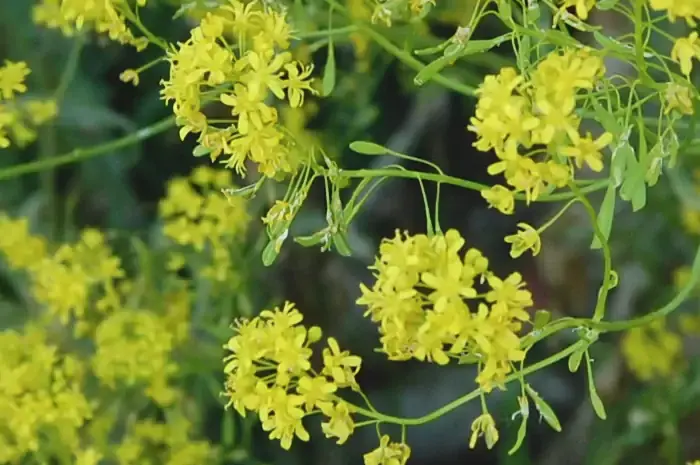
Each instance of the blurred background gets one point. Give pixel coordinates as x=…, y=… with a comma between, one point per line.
x=650, y=422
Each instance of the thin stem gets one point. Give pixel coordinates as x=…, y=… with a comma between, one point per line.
x=338, y=31
x=70, y=69
x=81, y=154
x=371, y=173
x=558, y=215
x=599, y=311
x=614, y=326
x=472, y=395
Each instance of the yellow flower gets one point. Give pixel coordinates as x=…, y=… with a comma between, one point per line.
x=500, y=197
x=582, y=7
x=315, y=390
x=484, y=425
x=678, y=97
x=684, y=50
x=528, y=238
x=12, y=76
x=388, y=453
x=340, y=424
x=41, y=111
x=586, y=150
x=130, y=75
x=339, y=365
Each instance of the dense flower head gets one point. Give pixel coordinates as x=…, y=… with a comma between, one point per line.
x=198, y=215
x=167, y=443
x=428, y=301
x=40, y=393
x=18, y=120
x=134, y=347
x=652, y=351
x=103, y=16
x=237, y=56
x=531, y=125
x=269, y=372
x=76, y=276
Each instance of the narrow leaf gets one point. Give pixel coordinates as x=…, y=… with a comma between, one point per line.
x=542, y=317
x=522, y=430
x=598, y=406
x=328, y=82
x=367, y=148
x=605, y=216
x=341, y=244
x=575, y=361
x=200, y=151
x=544, y=409
x=269, y=254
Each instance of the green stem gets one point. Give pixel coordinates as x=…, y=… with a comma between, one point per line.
x=435, y=177
x=599, y=311
x=406, y=58
x=472, y=395
x=614, y=326
x=70, y=69
x=81, y=154
x=338, y=31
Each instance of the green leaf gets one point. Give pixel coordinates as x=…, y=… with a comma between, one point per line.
x=574, y=361
x=455, y=51
x=367, y=148
x=200, y=151
x=523, y=54
x=605, y=216
x=634, y=186
x=611, y=44
x=606, y=4
x=622, y=156
x=542, y=317
x=328, y=82
x=654, y=171
x=670, y=147
x=598, y=406
x=312, y=240
x=341, y=244
x=505, y=11
x=269, y=254
x=532, y=13
x=544, y=409
x=430, y=70
x=468, y=359
x=273, y=248
x=606, y=119
x=522, y=430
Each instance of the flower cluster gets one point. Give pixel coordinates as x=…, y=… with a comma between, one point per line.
x=198, y=215
x=103, y=16
x=652, y=351
x=69, y=280
x=53, y=382
x=40, y=394
x=269, y=372
x=163, y=443
x=426, y=302
x=536, y=115
x=134, y=347
x=237, y=56
x=17, y=119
